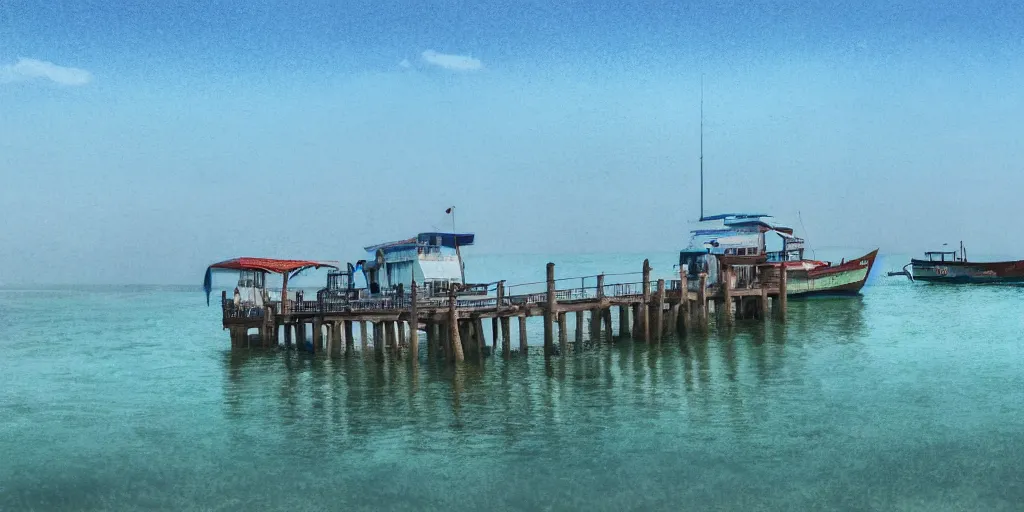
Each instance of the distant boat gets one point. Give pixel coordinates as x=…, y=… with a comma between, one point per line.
x=751, y=239
x=954, y=268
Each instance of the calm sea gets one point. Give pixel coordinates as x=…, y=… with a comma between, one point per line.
x=910, y=397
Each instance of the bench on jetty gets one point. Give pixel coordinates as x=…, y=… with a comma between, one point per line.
x=453, y=323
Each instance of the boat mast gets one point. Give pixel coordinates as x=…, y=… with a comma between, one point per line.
x=702, y=147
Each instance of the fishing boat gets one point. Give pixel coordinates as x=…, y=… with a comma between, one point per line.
x=746, y=240
x=954, y=267
x=750, y=239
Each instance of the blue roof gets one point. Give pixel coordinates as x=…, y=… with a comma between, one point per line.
x=447, y=240
x=724, y=216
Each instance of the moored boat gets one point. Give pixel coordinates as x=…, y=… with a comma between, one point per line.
x=755, y=239
x=953, y=267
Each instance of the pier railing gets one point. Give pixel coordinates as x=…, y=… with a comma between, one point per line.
x=483, y=298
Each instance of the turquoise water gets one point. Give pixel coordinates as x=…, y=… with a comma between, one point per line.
x=910, y=397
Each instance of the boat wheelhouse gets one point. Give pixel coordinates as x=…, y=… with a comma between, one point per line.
x=433, y=260
x=751, y=237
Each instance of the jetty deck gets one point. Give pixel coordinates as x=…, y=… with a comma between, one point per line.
x=453, y=324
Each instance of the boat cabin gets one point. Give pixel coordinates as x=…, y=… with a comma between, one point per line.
x=745, y=238
x=942, y=256
x=432, y=260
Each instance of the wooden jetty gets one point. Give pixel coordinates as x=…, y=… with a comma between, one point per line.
x=452, y=323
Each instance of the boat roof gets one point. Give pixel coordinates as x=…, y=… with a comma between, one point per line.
x=739, y=220
x=270, y=265
x=429, y=238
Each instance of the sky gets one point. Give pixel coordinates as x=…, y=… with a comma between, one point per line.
x=141, y=142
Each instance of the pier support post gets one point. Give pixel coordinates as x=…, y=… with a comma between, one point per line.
x=287, y=327
x=433, y=340
x=506, y=338
x=764, y=301
x=334, y=338
x=414, y=326
x=523, y=345
x=659, y=311
x=563, y=336
x=300, y=336
x=349, y=338
x=683, y=322
x=455, y=353
x=645, y=316
x=364, y=336
x=637, y=329
x=481, y=342
x=318, y=336
x=401, y=337
x=550, y=308
x=702, y=301
x=623, y=321
x=494, y=335
x=783, y=278
x=606, y=314
x=579, y=326
x=726, y=315
x=378, y=338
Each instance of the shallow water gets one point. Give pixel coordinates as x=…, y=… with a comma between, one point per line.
x=910, y=397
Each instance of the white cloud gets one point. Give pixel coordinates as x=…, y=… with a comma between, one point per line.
x=31, y=69
x=453, y=62
x=405, y=64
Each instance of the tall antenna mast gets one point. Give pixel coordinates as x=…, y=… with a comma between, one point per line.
x=702, y=146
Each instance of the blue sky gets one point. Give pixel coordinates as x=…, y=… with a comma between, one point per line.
x=139, y=143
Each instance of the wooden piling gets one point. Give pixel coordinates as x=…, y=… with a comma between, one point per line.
x=783, y=299
x=481, y=342
x=506, y=337
x=378, y=338
x=659, y=311
x=349, y=338
x=318, y=335
x=702, y=301
x=523, y=346
x=579, y=326
x=636, y=332
x=607, y=315
x=645, y=316
x=287, y=327
x=563, y=336
x=726, y=315
x=401, y=336
x=550, y=308
x=364, y=335
x=334, y=338
x=300, y=336
x=683, y=323
x=494, y=335
x=414, y=326
x=456, y=353
x=764, y=301
x=623, y=321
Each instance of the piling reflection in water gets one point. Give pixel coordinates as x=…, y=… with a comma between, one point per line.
x=722, y=376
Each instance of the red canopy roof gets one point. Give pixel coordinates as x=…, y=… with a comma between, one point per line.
x=271, y=265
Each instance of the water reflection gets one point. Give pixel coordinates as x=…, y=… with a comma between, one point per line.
x=722, y=377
